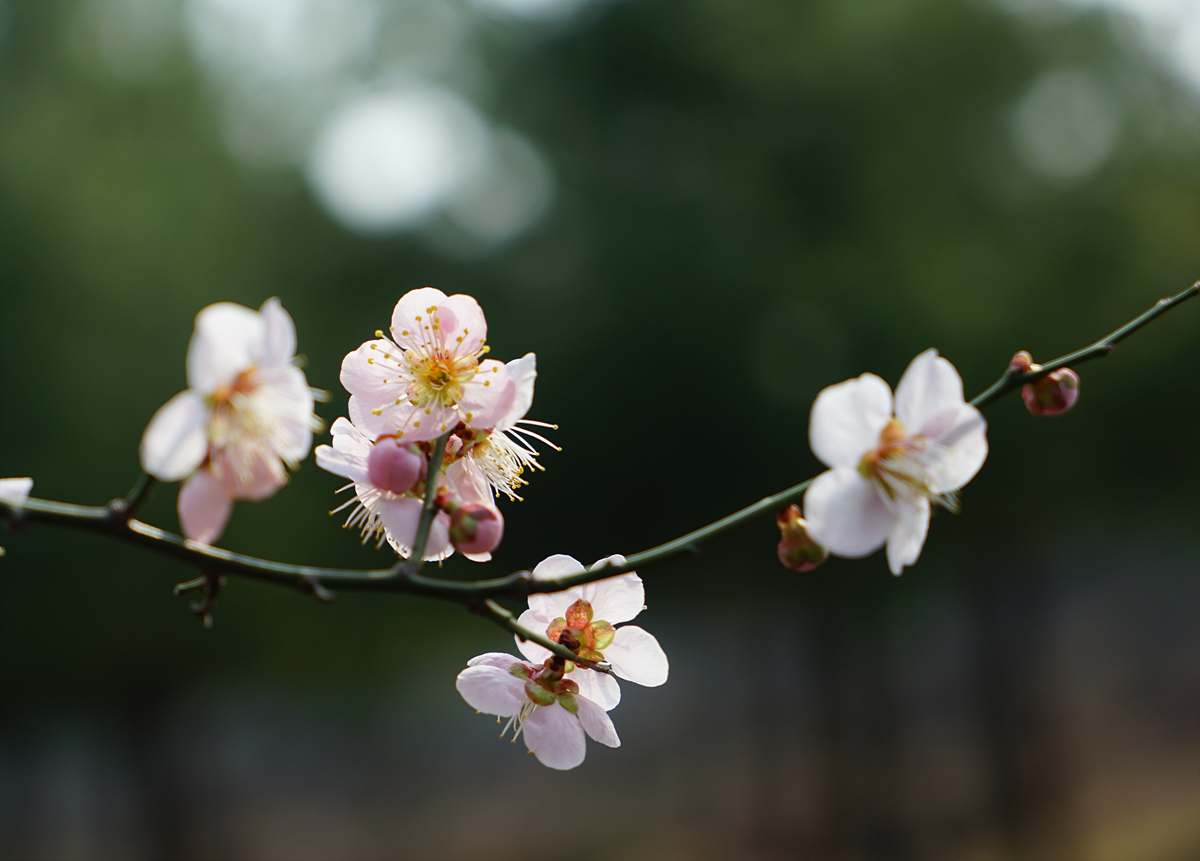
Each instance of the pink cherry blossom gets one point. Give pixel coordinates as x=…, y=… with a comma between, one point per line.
x=886, y=470
x=247, y=414
x=554, y=725
x=430, y=374
x=592, y=611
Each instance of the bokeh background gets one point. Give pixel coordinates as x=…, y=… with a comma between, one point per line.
x=697, y=214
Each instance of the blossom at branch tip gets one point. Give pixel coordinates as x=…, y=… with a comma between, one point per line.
x=248, y=413
x=548, y=709
x=887, y=470
x=428, y=375
x=15, y=491
x=591, y=612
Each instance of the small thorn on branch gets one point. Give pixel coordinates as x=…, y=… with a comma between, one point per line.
x=211, y=583
x=318, y=591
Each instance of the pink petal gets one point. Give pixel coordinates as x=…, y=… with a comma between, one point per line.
x=596, y=722
x=845, y=513
x=280, y=344
x=488, y=396
x=265, y=476
x=204, y=507
x=555, y=737
x=402, y=516
x=467, y=480
x=468, y=324
x=523, y=373
x=369, y=426
x=929, y=396
x=284, y=395
x=908, y=535
x=228, y=339
x=636, y=656
x=847, y=419
x=415, y=424
x=966, y=450
x=176, y=440
x=411, y=318
x=367, y=373
x=491, y=690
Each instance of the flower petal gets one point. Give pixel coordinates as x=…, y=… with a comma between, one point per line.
x=908, y=535
x=176, y=440
x=488, y=396
x=255, y=481
x=523, y=373
x=551, y=568
x=845, y=513
x=966, y=448
x=600, y=688
x=283, y=394
x=204, y=506
x=15, y=491
x=401, y=517
x=530, y=621
x=468, y=324
x=556, y=737
x=596, y=722
x=503, y=660
x=415, y=424
x=929, y=396
x=340, y=463
x=369, y=426
x=847, y=419
x=229, y=339
x=617, y=599
x=365, y=375
x=280, y=346
x=636, y=656
x=412, y=318
x=491, y=690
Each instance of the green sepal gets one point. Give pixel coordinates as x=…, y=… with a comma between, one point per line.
x=602, y=635
x=519, y=671
x=567, y=701
x=538, y=694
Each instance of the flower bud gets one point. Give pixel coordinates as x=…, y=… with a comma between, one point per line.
x=1021, y=362
x=1052, y=395
x=393, y=467
x=796, y=550
x=475, y=527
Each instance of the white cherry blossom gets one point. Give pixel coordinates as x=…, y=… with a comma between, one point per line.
x=14, y=492
x=430, y=374
x=554, y=725
x=247, y=414
x=591, y=611
x=886, y=470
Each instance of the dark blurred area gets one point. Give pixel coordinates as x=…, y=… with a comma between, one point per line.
x=697, y=215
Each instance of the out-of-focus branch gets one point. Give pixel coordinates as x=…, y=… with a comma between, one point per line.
x=116, y=520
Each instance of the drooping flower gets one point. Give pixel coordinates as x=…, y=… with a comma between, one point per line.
x=548, y=709
x=430, y=374
x=591, y=612
x=886, y=470
x=14, y=492
x=247, y=414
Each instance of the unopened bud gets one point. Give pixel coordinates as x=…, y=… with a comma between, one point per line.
x=796, y=550
x=475, y=527
x=1021, y=362
x=1052, y=395
x=391, y=466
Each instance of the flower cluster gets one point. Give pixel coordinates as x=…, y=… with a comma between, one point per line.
x=428, y=379
x=248, y=413
x=553, y=702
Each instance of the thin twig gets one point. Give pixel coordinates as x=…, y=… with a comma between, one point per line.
x=506, y=620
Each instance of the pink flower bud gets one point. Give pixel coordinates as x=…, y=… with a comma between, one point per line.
x=1021, y=362
x=393, y=467
x=476, y=527
x=1053, y=394
x=796, y=550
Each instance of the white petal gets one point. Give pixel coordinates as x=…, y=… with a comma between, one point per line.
x=600, y=688
x=265, y=476
x=176, y=440
x=596, y=722
x=204, y=507
x=401, y=517
x=417, y=424
x=488, y=396
x=407, y=329
x=285, y=401
x=340, y=463
x=15, y=491
x=908, y=535
x=845, y=513
x=280, y=344
x=369, y=426
x=494, y=659
x=228, y=339
x=966, y=448
x=556, y=737
x=847, y=419
x=636, y=656
x=617, y=599
x=929, y=396
x=368, y=375
x=530, y=621
x=491, y=690
x=552, y=568
x=523, y=373
x=468, y=481
x=467, y=323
